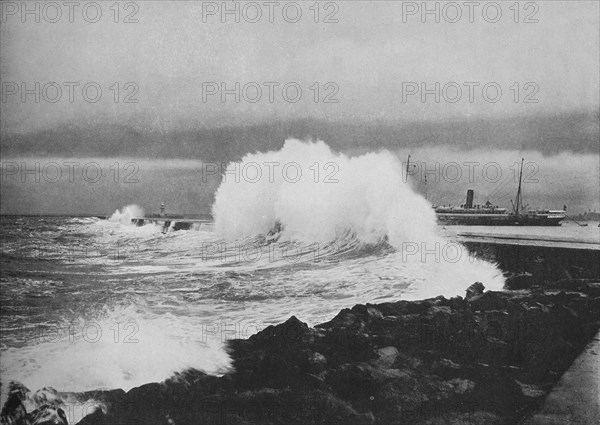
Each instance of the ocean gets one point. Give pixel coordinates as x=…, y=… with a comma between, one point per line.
x=91, y=303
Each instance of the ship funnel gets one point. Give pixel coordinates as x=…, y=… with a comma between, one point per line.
x=469, y=198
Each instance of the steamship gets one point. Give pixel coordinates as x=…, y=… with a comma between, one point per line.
x=491, y=215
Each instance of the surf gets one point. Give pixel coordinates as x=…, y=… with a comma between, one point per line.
x=367, y=199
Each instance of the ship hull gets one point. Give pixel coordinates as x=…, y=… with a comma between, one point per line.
x=475, y=220
x=539, y=221
x=497, y=220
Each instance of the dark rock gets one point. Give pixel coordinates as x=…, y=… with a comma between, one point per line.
x=446, y=369
x=13, y=411
x=47, y=415
x=292, y=331
x=473, y=290
x=488, y=301
x=387, y=356
x=484, y=360
x=521, y=281
x=317, y=362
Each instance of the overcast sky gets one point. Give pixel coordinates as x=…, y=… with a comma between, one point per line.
x=368, y=55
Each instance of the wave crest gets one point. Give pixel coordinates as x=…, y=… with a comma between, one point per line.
x=334, y=194
x=125, y=215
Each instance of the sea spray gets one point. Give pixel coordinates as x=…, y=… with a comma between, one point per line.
x=364, y=196
x=333, y=193
x=125, y=215
x=123, y=347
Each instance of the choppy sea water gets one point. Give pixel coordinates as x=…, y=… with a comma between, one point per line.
x=89, y=303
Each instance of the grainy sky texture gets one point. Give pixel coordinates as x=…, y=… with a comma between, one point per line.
x=113, y=82
x=369, y=54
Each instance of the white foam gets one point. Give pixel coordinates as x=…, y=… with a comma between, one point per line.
x=369, y=199
x=124, y=348
x=125, y=215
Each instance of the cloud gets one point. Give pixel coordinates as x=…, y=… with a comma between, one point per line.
x=368, y=53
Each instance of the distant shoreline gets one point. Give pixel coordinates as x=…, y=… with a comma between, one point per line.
x=194, y=216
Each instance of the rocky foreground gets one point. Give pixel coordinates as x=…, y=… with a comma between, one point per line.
x=489, y=358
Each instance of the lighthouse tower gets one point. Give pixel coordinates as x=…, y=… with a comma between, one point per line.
x=162, y=210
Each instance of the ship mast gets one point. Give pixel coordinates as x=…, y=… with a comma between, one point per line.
x=408, y=168
x=517, y=209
